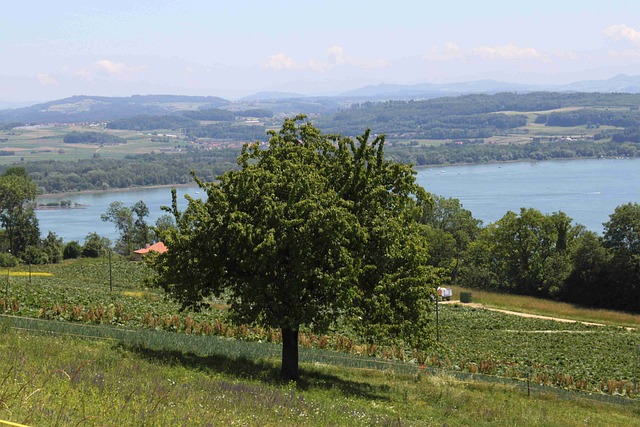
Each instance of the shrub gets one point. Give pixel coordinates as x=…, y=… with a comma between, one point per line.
x=465, y=297
x=72, y=250
x=8, y=260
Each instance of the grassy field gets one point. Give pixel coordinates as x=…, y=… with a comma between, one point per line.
x=46, y=143
x=64, y=380
x=550, y=308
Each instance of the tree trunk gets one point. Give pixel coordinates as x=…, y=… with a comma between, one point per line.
x=289, y=370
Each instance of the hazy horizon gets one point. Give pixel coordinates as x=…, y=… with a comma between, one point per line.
x=65, y=48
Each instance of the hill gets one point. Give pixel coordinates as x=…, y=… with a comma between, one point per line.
x=101, y=108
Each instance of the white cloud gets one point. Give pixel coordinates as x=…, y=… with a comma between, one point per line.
x=449, y=52
x=280, y=61
x=115, y=67
x=566, y=54
x=509, y=51
x=335, y=57
x=47, y=80
x=629, y=53
x=622, y=32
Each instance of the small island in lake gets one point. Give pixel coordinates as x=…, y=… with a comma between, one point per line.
x=62, y=204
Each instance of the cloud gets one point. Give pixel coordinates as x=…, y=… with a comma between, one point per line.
x=335, y=58
x=116, y=67
x=629, y=53
x=47, y=80
x=622, y=32
x=449, y=52
x=509, y=51
x=566, y=54
x=280, y=61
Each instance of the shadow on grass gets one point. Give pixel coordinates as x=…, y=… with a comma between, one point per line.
x=262, y=371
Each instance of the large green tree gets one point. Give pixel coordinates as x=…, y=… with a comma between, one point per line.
x=313, y=231
x=131, y=223
x=17, y=200
x=452, y=229
x=527, y=253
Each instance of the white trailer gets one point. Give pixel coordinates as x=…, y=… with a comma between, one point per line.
x=445, y=294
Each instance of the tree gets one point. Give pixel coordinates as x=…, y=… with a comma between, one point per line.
x=95, y=245
x=53, y=247
x=17, y=197
x=130, y=222
x=622, y=231
x=526, y=253
x=622, y=236
x=163, y=224
x=72, y=250
x=587, y=283
x=312, y=231
x=453, y=229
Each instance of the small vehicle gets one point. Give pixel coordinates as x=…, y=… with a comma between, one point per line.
x=444, y=294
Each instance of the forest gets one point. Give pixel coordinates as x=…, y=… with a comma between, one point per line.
x=136, y=170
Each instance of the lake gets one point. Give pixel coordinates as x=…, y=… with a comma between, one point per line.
x=586, y=190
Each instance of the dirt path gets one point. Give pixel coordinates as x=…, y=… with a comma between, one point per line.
x=528, y=315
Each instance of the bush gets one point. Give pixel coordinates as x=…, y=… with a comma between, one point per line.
x=35, y=255
x=72, y=250
x=8, y=260
x=465, y=297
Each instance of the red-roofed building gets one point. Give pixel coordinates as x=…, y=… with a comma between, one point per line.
x=156, y=247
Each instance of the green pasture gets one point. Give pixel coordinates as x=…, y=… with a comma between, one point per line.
x=46, y=143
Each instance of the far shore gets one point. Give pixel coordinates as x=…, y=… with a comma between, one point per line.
x=111, y=190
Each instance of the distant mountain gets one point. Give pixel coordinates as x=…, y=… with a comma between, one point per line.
x=271, y=96
x=427, y=90
x=620, y=83
x=102, y=108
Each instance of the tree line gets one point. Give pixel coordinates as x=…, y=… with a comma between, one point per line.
x=132, y=171
x=90, y=137
x=542, y=255
x=473, y=151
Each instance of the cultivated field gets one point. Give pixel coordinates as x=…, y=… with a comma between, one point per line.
x=196, y=365
x=46, y=143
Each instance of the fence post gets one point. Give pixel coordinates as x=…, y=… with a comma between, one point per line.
x=437, y=320
x=28, y=285
x=635, y=373
x=110, y=274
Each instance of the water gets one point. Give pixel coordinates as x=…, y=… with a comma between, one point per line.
x=586, y=190
x=75, y=224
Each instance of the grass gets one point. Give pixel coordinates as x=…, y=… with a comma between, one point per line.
x=62, y=380
x=545, y=307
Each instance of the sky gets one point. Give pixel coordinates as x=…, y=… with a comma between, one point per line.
x=55, y=49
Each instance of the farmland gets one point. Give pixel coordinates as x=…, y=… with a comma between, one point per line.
x=570, y=356
x=43, y=142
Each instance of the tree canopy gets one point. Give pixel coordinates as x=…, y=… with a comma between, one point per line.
x=17, y=200
x=313, y=231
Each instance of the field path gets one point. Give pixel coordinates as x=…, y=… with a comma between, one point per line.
x=529, y=315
